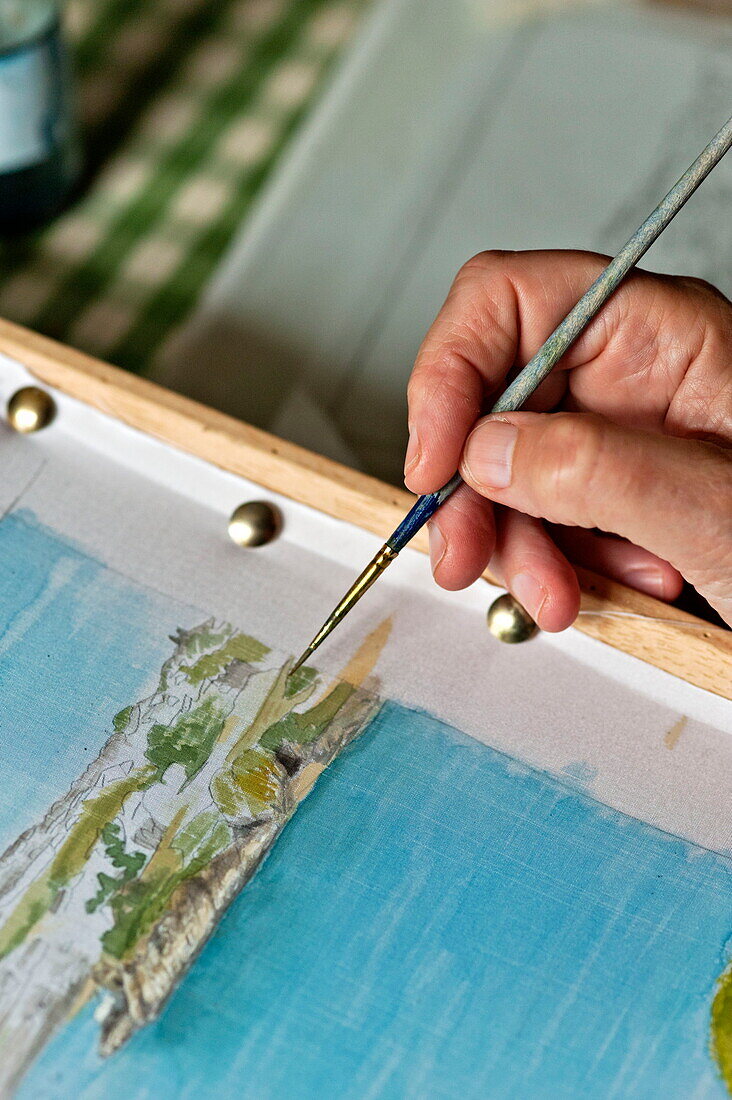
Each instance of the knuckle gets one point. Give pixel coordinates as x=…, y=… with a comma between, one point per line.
x=415, y=385
x=716, y=466
x=572, y=456
x=708, y=563
x=446, y=383
x=713, y=318
x=703, y=401
x=700, y=287
x=450, y=380
x=716, y=323
x=416, y=389
x=483, y=263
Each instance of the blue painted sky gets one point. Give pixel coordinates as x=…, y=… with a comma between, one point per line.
x=437, y=920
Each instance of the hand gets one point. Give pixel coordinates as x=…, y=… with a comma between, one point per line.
x=641, y=446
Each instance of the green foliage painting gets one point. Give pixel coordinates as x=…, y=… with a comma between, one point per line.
x=127, y=877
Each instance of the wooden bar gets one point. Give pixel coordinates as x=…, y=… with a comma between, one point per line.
x=664, y=636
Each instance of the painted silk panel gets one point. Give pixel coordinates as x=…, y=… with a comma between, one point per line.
x=437, y=919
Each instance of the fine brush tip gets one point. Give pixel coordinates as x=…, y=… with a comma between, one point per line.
x=299, y=662
x=374, y=569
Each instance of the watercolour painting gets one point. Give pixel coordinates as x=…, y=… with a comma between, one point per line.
x=437, y=919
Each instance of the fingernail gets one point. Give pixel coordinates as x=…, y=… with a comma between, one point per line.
x=529, y=593
x=489, y=453
x=413, y=455
x=437, y=545
x=646, y=578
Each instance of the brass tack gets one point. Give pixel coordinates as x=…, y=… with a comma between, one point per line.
x=30, y=409
x=255, y=523
x=509, y=621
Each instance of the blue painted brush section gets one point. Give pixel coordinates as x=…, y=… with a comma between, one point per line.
x=438, y=921
x=421, y=511
x=77, y=643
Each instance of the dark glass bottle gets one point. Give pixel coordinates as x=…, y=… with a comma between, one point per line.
x=39, y=160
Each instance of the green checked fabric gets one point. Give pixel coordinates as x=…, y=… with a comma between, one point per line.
x=185, y=106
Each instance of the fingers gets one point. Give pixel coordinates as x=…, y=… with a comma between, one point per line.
x=621, y=561
x=462, y=539
x=535, y=571
x=501, y=306
x=533, y=562
x=444, y=403
x=655, y=357
x=672, y=496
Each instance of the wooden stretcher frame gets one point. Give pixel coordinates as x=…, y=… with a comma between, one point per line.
x=640, y=625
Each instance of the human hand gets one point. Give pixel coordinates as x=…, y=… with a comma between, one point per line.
x=641, y=447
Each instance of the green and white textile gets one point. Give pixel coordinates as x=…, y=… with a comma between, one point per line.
x=185, y=107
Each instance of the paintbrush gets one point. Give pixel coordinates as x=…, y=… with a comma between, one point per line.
x=538, y=367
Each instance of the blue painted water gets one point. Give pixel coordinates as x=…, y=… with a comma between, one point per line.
x=436, y=921
x=77, y=643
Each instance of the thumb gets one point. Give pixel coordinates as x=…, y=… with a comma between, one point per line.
x=672, y=496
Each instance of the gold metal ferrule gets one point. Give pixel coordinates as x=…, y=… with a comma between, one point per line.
x=370, y=574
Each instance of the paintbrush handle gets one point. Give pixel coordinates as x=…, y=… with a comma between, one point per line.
x=578, y=318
